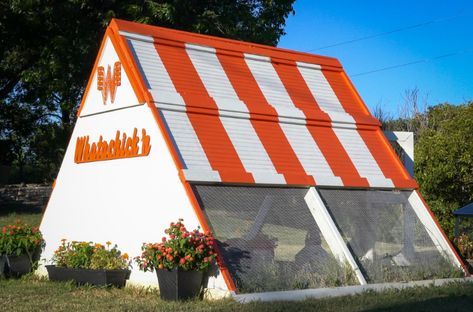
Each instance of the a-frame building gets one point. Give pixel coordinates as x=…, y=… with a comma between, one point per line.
x=273, y=150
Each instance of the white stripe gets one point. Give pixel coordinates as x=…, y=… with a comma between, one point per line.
x=350, y=139
x=361, y=157
x=163, y=91
x=299, y=137
x=309, y=154
x=323, y=93
x=244, y=138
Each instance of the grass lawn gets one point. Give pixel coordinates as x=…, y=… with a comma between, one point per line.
x=36, y=294
x=32, y=293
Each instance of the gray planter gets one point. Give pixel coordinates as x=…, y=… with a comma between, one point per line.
x=115, y=278
x=16, y=266
x=179, y=285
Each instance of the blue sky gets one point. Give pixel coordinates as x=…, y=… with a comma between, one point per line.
x=449, y=79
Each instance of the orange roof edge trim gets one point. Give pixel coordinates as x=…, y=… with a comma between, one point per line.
x=222, y=43
x=125, y=60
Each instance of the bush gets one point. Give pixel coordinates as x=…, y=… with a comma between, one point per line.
x=464, y=245
x=183, y=249
x=87, y=255
x=20, y=238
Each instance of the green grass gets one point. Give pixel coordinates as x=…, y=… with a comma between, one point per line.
x=37, y=294
x=11, y=217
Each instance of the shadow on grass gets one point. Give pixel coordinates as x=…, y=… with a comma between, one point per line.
x=451, y=303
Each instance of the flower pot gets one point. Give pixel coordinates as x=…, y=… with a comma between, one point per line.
x=2, y=266
x=115, y=278
x=179, y=285
x=16, y=266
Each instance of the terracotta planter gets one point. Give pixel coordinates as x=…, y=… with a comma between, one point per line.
x=115, y=278
x=179, y=285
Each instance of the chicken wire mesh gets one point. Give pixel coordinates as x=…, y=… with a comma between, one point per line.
x=385, y=236
x=269, y=239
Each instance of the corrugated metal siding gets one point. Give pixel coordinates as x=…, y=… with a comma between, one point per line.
x=218, y=109
x=362, y=158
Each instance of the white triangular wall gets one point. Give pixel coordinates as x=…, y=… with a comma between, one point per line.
x=126, y=201
x=124, y=98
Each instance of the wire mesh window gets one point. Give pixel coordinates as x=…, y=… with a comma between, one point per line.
x=269, y=239
x=385, y=235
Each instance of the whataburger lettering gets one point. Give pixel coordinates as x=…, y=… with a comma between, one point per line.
x=120, y=147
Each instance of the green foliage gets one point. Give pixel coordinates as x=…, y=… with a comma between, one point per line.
x=465, y=245
x=185, y=250
x=47, y=50
x=444, y=160
x=20, y=238
x=87, y=255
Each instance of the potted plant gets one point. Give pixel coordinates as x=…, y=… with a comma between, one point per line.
x=89, y=263
x=180, y=261
x=20, y=247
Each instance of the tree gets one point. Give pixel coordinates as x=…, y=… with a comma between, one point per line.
x=444, y=160
x=47, y=49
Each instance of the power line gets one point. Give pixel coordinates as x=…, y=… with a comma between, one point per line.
x=438, y=20
x=413, y=62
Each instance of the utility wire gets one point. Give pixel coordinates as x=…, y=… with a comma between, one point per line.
x=391, y=31
x=413, y=62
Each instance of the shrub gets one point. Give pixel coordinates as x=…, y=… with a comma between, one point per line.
x=183, y=249
x=464, y=245
x=87, y=255
x=20, y=238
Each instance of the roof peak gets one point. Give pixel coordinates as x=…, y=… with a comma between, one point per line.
x=124, y=27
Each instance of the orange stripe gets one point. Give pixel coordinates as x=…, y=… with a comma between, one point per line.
x=269, y=132
x=382, y=151
x=178, y=36
x=209, y=129
x=325, y=137
x=347, y=96
x=385, y=157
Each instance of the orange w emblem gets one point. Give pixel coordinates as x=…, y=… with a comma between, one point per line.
x=108, y=83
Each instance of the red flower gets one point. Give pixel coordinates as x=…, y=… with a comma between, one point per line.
x=182, y=261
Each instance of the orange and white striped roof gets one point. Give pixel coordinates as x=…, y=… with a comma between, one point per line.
x=237, y=112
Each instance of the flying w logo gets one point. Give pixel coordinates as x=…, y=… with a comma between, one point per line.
x=109, y=82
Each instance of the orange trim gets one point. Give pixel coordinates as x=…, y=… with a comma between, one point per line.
x=128, y=65
x=92, y=74
x=444, y=235
x=270, y=133
x=333, y=151
x=212, y=135
x=140, y=83
x=223, y=44
x=383, y=154
x=203, y=221
x=125, y=61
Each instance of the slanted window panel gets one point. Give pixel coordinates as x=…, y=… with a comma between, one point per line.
x=385, y=235
x=269, y=239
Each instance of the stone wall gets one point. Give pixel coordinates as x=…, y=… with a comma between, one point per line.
x=24, y=197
